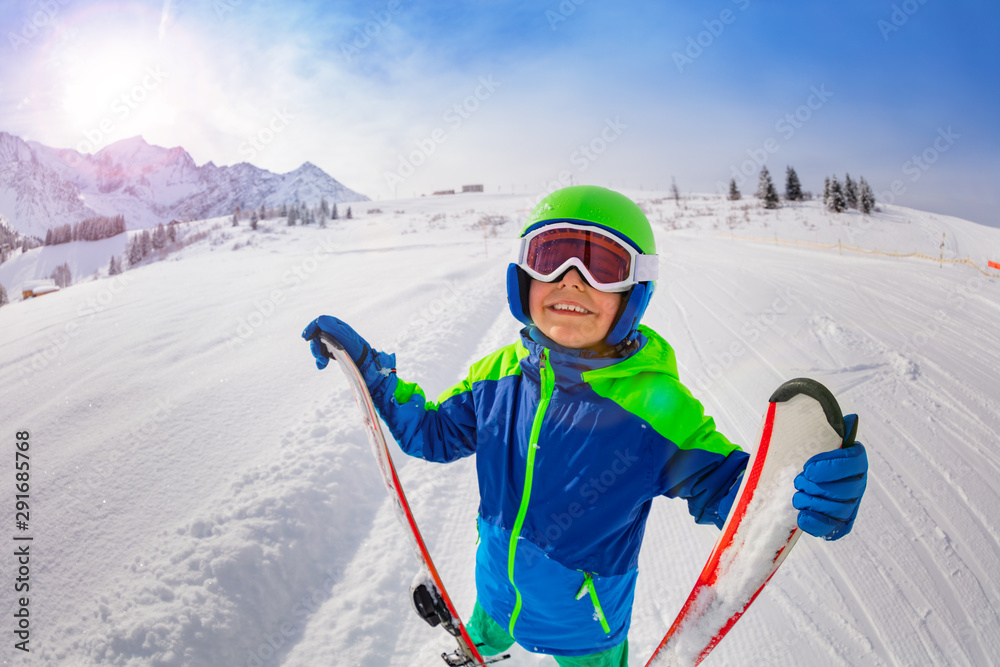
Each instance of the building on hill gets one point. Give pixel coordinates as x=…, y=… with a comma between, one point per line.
x=33, y=288
x=472, y=188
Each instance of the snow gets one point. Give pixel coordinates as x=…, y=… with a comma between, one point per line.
x=202, y=495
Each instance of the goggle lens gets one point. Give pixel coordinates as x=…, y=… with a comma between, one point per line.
x=606, y=259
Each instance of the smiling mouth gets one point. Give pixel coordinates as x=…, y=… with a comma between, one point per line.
x=570, y=309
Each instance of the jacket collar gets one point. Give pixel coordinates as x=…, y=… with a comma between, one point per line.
x=652, y=354
x=569, y=363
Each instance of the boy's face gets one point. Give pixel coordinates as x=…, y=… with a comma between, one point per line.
x=571, y=312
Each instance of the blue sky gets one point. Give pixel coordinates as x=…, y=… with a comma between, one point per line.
x=401, y=98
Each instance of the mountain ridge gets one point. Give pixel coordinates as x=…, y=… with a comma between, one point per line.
x=43, y=187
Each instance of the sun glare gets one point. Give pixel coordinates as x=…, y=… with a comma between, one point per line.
x=95, y=80
x=110, y=92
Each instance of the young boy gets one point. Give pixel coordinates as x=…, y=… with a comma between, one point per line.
x=576, y=427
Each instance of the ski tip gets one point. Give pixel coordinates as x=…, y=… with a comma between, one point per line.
x=816, y=391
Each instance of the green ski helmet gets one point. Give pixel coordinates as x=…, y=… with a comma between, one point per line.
x=608, y=211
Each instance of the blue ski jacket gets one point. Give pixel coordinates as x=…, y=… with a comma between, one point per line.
x=570, y=451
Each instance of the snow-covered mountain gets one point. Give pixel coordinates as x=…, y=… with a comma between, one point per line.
x=43, y=187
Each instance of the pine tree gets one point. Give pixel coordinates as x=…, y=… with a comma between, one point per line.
x=674, y=191
x=766, y=191
x=159, y=237
x=850, y=192
x=348, y=216
x=134, y=250
x=826, y=192
x=253, y=220
x=293, y=215
x=262, y=215
x=4, y=300
x=793, y=188
x=62, y=276
x=333, y=216
x=866, y=198
x=838, y=202
x=115, y=267
x=146, y=242
x=734, y=192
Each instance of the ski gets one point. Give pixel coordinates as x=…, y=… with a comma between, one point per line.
x=430, y=599
x=802, y=420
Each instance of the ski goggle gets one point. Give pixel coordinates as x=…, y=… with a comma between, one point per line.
x=607, y=263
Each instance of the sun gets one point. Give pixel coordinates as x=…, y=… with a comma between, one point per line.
x=114, y=90
x=95, y=81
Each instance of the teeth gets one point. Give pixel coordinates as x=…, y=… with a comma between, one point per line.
x=566, y=306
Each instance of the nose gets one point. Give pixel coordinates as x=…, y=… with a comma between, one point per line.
x=572, y=278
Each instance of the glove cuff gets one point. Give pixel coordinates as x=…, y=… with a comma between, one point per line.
x=379, y=371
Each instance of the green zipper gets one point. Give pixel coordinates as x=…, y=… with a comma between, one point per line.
x=589, y=587
x=547, y=386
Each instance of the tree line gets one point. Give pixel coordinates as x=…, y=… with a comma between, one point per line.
x=836, y=197
x=297, y=213
x=90, y=229
x=143, y=244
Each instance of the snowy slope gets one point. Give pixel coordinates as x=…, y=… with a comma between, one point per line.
x=202, y=495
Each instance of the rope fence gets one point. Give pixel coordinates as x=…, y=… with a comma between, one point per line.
x=839, y=246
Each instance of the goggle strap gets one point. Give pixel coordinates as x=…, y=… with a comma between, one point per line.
x=647, y=268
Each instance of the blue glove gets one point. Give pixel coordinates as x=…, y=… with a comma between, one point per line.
x=377, y=368
x=830, y=487
x=355, y=346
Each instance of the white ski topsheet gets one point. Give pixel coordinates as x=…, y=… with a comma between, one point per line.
x=765, y=532
x=200, y=504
